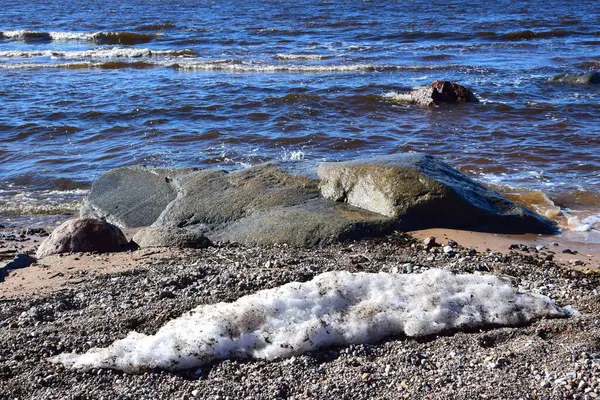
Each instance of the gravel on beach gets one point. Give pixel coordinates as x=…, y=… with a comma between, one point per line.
x=554, y=359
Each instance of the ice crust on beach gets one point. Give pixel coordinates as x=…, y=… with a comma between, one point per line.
x=335, y=308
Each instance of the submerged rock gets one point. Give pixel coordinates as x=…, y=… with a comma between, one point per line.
x=422, y=192
x=576, y=79
x=170, y=237
x=83, y=235
x=278, y=203
x=442, y=92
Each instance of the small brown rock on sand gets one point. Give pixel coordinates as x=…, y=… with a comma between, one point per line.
x=83, y=235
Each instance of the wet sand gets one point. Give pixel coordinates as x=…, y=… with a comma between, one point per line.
x=586, y=252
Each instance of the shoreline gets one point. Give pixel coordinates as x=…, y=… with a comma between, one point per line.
x=58, y=272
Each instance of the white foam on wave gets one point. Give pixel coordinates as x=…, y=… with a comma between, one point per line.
x=64, y=36
x=397, y=96
x=585, y=224
x=302, y=57
x=44, y=202
x=293, y=155
x=69, y=36
x=242, y=66
x=236, y=66
x=335, y=308
x=113, y=52
x=250, y=67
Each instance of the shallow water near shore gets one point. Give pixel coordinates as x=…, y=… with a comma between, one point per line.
x=86, y=88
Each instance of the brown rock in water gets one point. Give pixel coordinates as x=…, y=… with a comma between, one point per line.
x=448, y=92
x=442, y=92
x=83, y=235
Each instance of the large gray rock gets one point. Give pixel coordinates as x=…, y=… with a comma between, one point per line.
x=317, y=221
x=83, y=235
x=270, y=203
x=214, y=197
x=420, y=191
x=576, y=78
x=170, y=237
x=131, y=197
x=287, y=203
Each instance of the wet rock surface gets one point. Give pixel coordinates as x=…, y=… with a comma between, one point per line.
x=442, y=92
x=576, y=78
x=83, y=235
x=283, y=202
x=552, y=359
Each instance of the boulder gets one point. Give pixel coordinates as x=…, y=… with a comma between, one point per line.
x=83, y=235
x=442, y=92
x=315, y=222
x=170, y=237
x=420, y=191
x=214, y=197
x=131, y=197
x=576, y=79
x=288, y=203
x=265, y=204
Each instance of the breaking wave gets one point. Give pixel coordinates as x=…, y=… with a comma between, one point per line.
x=117, y=52
x=124, y=38
x=303, y=57
x=231, y=66
x=236, y=66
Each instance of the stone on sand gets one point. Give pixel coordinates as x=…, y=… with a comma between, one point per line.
x=83, y=235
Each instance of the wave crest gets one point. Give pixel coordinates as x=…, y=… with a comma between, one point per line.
x=124, y=38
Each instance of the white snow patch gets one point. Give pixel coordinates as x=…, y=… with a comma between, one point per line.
x=335, y=308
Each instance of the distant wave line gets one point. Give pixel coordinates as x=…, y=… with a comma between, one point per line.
x=231, y=66
x=118, y=52
x=126, y=38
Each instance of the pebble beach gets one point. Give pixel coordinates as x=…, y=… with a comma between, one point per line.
x=552, y=358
